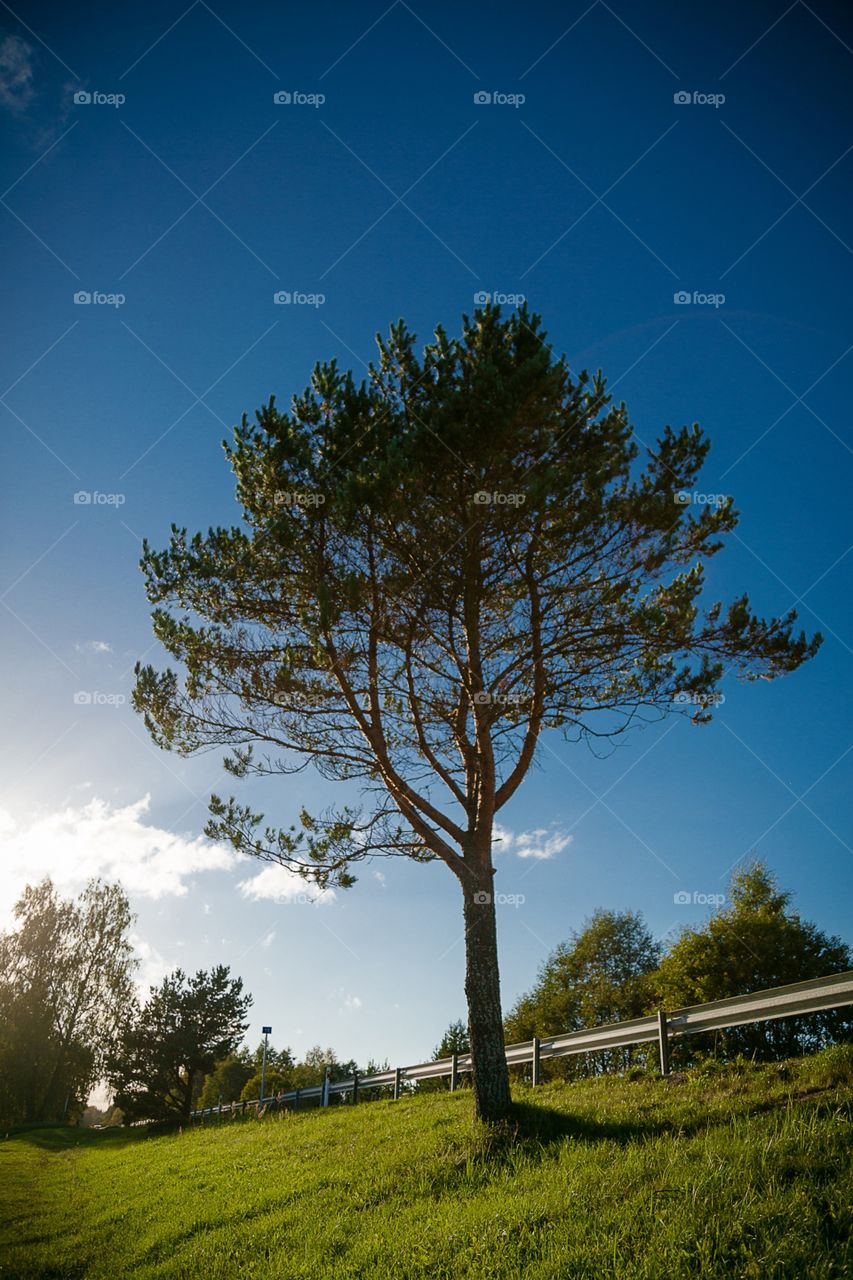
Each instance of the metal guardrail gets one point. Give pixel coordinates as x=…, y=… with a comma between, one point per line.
x=832, y=992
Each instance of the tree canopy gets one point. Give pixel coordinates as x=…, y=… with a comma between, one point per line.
x=603, y=973
x=754, y=942
x=454, y=1040
x=174, y=1040
x=66, y=980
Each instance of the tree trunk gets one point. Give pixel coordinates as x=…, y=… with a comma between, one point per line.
x=482, y=988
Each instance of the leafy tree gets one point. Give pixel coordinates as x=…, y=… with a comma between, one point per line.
x=279, y=1074
x=282, y=1058
x=284, y=1074
x=454, y=1040
x=757, y=941
x=227, y=1079
x=312, y=1069
x=432, y=569
x=66, y=973
x=603, y=974
x=238, y=1074
x=278, y=1079
x=375, y=1067
x=188, y=1024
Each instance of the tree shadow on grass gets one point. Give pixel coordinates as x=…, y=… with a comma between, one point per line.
x=537, y=1127
x=66, y=1137
x=542, y=1126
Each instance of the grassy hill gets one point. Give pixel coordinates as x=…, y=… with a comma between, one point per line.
x=742, y=1172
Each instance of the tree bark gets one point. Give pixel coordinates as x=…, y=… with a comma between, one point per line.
x=482, y=989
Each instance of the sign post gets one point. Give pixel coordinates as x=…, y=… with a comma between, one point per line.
x=267, y=1031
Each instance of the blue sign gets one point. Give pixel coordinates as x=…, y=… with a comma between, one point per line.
x=267, y=1031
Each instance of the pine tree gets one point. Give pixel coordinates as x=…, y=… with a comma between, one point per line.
x=432, y=569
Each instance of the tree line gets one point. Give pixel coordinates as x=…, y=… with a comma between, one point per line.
x=614, y=969
x=71, y=1016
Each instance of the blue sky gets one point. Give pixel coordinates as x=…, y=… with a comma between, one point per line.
x=188, y=205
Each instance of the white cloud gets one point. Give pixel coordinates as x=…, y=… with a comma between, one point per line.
x=539, y=843
x=97, y=839
x=16, y=74
x=94, y=646
x=267, y=942
x=280, y=884
x=153, y=966
x=352, y=1002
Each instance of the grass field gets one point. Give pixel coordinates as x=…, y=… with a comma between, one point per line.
x=745, y=1172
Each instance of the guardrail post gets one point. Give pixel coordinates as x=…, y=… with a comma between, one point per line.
x=663, y=1043
x=220, y=1108
x=296, y=1101
x=355, y=1087
x=324, y=1099
x=536, y=1074
x=454, y=1073
x=398, y=1072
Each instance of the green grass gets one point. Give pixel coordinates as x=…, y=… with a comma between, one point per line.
x=744, y=1172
